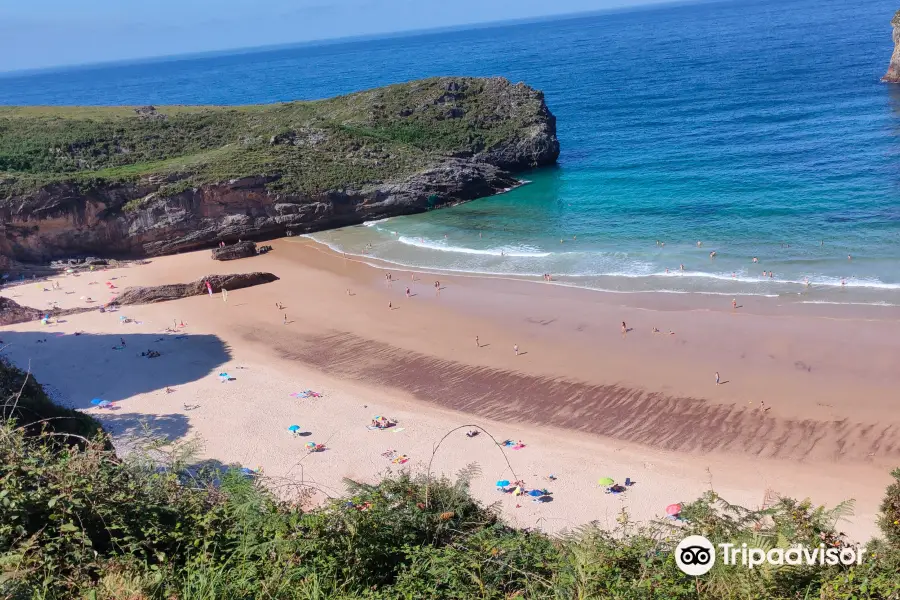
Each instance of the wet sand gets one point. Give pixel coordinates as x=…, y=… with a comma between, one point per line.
x=588, y=401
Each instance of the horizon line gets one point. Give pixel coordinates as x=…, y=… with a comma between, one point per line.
x=408, y=33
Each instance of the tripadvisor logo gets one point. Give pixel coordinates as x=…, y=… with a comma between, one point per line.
x=696, y=555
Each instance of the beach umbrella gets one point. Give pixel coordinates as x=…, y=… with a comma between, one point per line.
x=310, y=444
x=96, y=401
x=536, y=493
x=503, y=483
x=606, y=481
x=673, y=509
x=294, y=428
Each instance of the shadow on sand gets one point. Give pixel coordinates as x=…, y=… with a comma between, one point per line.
x=87, y=366
x=173, y=427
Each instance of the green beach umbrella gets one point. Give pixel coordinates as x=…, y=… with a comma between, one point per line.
x=606, y=481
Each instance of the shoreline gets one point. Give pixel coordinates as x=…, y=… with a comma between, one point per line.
x=588, y=403
x=697, y=300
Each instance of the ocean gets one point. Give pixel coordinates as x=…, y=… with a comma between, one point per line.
x=756, y=128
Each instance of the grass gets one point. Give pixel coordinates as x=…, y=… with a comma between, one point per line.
x=306, y=147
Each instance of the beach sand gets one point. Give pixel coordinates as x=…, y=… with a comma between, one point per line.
x=587, y=401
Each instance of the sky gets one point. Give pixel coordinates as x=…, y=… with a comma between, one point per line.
x=48, y=33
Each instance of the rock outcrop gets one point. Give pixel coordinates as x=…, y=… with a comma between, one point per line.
x=385, y=152
x=12, y=313
x=234, y=251
x=893, y=72
x=176, y=291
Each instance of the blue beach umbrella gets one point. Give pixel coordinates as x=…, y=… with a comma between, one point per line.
x=294, y=428
x=96, y=401
x=502, y=483
x=535, y=493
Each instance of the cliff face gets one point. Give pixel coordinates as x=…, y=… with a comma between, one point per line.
x=893, y=72
x=140, y=185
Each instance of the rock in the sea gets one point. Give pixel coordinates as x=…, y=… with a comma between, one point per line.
x=893, y=72
x=175, y=291
x=234, y=251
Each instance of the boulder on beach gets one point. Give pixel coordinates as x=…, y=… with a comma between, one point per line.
x=234, y=251
x=175, y=291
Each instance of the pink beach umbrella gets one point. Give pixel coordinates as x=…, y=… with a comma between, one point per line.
x=673, y=509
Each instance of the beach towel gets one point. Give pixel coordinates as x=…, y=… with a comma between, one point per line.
x=518, y=446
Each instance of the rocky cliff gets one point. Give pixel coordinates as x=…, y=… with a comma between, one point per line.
x=893, y=72
x=125, y=182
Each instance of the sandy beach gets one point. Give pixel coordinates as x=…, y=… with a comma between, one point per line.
x=806, y=405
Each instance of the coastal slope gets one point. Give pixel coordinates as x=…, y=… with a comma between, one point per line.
x=133, y=182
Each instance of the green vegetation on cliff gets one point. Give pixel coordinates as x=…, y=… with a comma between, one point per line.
x=78, y=522
x=305, y=147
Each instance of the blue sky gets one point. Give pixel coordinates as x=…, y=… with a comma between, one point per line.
x=45, y=33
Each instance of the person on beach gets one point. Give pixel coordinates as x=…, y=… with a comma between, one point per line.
x=667, y=270
x=733, y=275
x=712, y=254
x=682, y=268
x=516, y=349
x=284, y=321
x=717, y=378
x=121, y=339
x=699, y=243
x=407, y=292
x=224, y=295
x=624, y=328
x=734, y=304
x=849, y=257
x=209, y=289
x=348, y=292
x=477, y=342
x=756, y=260
x=390, y=307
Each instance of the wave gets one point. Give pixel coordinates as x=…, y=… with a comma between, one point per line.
x=375, y=222
x=633, y=269
x=515, y=251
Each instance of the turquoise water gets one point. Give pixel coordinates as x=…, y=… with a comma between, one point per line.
x=758, y=128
